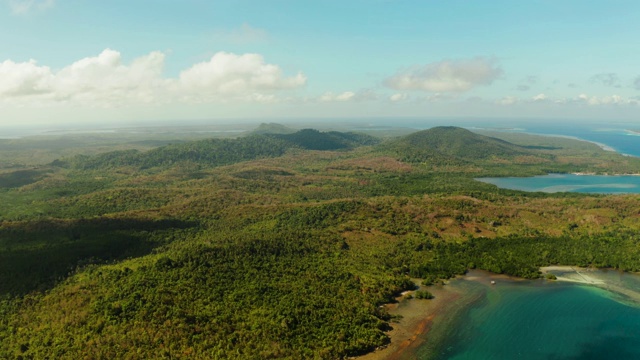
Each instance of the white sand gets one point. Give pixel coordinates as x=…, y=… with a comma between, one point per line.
x=573, y=274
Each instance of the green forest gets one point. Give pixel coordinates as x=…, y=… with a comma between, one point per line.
x=278, y=244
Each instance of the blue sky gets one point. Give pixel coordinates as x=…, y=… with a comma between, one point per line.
x=145, y=61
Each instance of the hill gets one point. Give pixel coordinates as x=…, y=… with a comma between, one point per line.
x=290, y=255
x=453, y=144
x=219, y=152
x=212, y=152
x=311, y=139
x=272, y=128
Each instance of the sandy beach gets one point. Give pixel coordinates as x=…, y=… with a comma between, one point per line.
x=418, y=317
x=573, y=274
x=593, y=277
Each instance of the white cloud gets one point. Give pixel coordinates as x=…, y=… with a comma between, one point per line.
x=539, y=97
x=348, y=96
x=446, y=76
x=231, y=75
x=584, y=99
x=437, y=97
x=605, y=100
x=507, y=100
x=242, y=35
x=23, y=79
x=342, y=97
x=398, y=97
x=106, y=81
x=21, y=7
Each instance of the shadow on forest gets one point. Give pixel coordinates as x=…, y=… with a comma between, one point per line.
x=35, y=255
x=20, y=178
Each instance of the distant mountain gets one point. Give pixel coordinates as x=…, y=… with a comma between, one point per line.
x=311, y=139
x=218, y=152
x=272, y=128
x=453, y=144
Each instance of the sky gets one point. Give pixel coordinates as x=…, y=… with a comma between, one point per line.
x=153, y=61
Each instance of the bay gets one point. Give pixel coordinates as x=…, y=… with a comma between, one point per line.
x=541, y=319
x=601, y=184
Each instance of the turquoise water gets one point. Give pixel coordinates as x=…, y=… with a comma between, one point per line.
x=569, y=182
x=544, y=320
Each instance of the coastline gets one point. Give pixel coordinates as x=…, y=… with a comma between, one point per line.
x=425, y=320
x=594, y=277
x=424, y=323
x=416, y=320
x=602, y=146
x=572, y=274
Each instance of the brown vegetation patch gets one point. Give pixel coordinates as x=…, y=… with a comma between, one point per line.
x=377, y=164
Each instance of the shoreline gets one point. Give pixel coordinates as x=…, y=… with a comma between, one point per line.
x=417, y=318
x=576, y=274
x=420, y=317
x=585, y=276
x=602, y=146
x=426, y=320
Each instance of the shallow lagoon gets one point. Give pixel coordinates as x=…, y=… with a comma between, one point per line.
x=541, y=320
x=601, y=184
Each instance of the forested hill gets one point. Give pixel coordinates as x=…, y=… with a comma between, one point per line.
x=453, y=144
x=218, y=152
x=272, y=128
x=287, y=256
x=311, y=139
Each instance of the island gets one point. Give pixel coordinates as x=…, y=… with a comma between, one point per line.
x=280, y=242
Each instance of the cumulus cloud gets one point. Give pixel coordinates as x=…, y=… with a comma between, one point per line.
x=23, y=79
x=607, y=79
x=106, y=80
x=446, y=76
x=21, y=7
x=231, y=75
